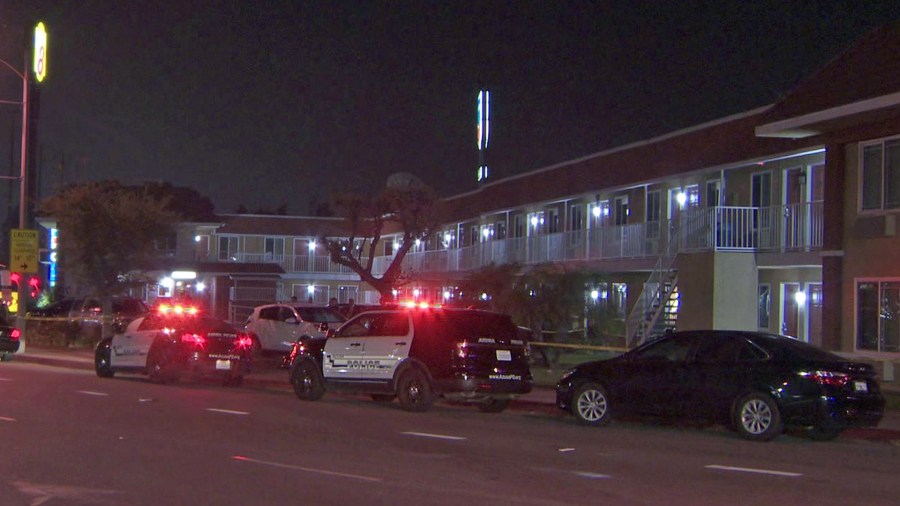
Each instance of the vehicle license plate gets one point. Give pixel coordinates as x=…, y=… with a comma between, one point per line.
x=223, y=364
x=504, y=355
x=860, y=386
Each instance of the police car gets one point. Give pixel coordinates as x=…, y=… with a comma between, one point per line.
x=174, y=341
x=416, y=353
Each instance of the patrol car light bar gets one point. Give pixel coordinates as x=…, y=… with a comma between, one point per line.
x=411, y=304
x=176, y=310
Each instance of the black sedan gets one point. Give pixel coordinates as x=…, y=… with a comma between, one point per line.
x=9, y=339
x=175, y=341
x=757, y=383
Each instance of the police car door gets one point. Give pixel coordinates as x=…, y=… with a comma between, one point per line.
x=386, y=345
x=129, y=349
x=343, y=353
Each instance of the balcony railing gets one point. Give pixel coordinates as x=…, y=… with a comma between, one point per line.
x=795, y=227
x=320, y=264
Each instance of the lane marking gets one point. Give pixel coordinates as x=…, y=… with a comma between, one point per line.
x=228, y=411
x=307, y=469
x=7, y=419
x=564, y=450
x=593, y=476
x=754, y=471
x=89, y=392
x=5, y=379
x=434, y=436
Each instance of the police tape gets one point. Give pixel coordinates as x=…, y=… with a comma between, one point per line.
x=589, y=347
x=68, y=318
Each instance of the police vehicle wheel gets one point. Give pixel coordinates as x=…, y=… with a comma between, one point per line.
x=494, y=405
x=101, y=361
x=306, y=381
x=414, y=391
x=155, y=367
x=383, y=397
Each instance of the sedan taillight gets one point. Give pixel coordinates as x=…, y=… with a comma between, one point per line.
x=15, y=334
x=829, y=378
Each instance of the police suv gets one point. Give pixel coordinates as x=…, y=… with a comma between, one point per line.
x=174, y=341
x=416, y=353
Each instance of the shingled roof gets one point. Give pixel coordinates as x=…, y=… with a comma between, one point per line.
x=862, y=80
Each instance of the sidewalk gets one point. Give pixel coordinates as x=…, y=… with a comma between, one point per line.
x=541, y=399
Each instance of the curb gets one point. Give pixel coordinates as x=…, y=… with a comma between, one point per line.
x=86, y=363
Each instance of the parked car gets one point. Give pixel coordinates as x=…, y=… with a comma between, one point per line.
x=9, y=339
x=757, y=383
x=274, y=328
x=176, y=341
x=415, y=355
x=85, y=314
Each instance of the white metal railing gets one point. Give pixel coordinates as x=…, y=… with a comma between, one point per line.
x=294, y=263
x=794, y=227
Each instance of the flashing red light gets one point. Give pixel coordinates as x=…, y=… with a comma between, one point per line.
x=244, y=341
x=15, y=334
x=193, y=338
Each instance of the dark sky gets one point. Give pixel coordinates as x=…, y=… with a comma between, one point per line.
x=264, y=103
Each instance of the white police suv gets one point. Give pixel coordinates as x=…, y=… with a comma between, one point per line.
x=416, y=353
x=175, y=341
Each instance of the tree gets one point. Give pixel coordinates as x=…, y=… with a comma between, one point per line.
x=406, y=205
x=107, y=230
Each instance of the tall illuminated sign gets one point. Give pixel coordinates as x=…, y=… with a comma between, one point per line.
x=54, y=243
x=40, y=52
x=483, y=131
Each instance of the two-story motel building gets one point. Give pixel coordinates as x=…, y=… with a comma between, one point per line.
x=783, y=218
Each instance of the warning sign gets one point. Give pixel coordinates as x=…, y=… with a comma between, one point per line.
x=23, y=250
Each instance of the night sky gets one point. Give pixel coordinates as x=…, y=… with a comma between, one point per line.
x=268, y=103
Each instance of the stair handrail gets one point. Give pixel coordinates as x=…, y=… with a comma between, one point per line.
x=635, y=325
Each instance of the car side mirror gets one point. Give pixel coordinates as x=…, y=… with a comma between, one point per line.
x=323, y=327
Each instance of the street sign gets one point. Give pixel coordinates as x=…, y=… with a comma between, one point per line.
x=23, y=251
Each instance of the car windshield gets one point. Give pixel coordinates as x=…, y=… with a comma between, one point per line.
x=319, y=315
x=470, y=324
x=206, y=324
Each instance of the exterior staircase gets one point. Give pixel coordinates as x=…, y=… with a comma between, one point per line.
x=656, y=310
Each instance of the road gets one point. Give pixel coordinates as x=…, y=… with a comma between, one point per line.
x=69, y=437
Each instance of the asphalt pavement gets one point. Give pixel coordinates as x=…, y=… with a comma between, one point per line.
x=266, y=375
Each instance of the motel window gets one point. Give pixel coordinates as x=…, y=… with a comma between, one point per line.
x=878, y=316
x=880, y=187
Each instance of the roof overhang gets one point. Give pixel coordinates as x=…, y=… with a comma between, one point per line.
x=819, y=122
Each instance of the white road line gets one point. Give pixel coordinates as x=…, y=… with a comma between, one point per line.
x=565, y=450
x=755, y=471
x=228, y=411
x=5, y=379
x=434, y=436
x=89, y=392
x=307, y=469
x=7, y=419
x=594, y=476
